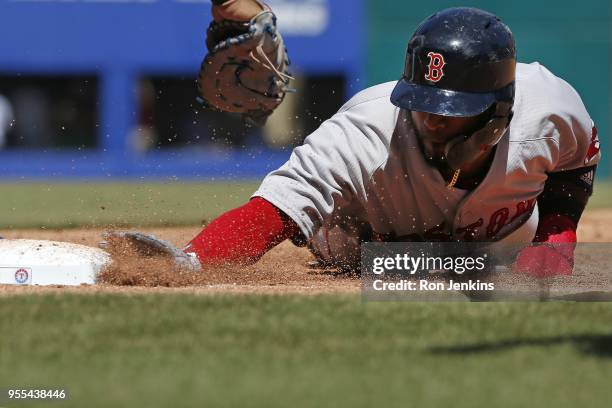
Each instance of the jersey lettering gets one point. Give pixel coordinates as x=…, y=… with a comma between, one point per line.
x=497, y=221
x=469, y=231
x=522, y=207
x=437, y=234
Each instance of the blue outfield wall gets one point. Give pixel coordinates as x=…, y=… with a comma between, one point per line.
x=122, y=40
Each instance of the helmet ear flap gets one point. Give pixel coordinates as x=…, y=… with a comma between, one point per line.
x=462, y=149
x=412, y=52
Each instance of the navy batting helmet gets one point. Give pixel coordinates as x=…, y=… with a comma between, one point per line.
x=459, y=62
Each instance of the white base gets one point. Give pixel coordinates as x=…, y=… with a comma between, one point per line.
x=34, y=262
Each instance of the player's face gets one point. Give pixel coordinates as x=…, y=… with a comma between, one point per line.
x=435, y=131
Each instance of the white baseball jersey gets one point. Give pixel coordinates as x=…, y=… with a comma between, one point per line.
x=364, y=165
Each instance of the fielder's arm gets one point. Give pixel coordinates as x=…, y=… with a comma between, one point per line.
x=236, y=10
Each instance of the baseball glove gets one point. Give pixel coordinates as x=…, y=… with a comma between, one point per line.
x=245, y=70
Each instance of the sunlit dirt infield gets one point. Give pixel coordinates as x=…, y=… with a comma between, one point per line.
x=285, y=269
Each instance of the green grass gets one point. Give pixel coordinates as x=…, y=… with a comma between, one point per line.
x=66, y=205
x=70, y=205
x=602, y=195
x=274, y=351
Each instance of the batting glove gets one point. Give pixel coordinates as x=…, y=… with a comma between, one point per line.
x=151, y=246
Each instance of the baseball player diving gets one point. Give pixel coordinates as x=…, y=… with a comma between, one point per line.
x=468, y=145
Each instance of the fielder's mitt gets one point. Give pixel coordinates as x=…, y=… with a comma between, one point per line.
x=245, y=70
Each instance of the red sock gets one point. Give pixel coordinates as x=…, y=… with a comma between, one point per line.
x=242, y=235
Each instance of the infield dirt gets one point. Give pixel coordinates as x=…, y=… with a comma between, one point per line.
x=285, y=269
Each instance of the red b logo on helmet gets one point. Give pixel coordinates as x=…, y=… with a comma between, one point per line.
x=436, y=63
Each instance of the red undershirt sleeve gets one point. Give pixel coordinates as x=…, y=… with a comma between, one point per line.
x=556, y=228
x=242, y=235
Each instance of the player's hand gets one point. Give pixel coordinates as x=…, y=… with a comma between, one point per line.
x=553, y=252
x=236, y=10
x=149, y=246
x=545, y=260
